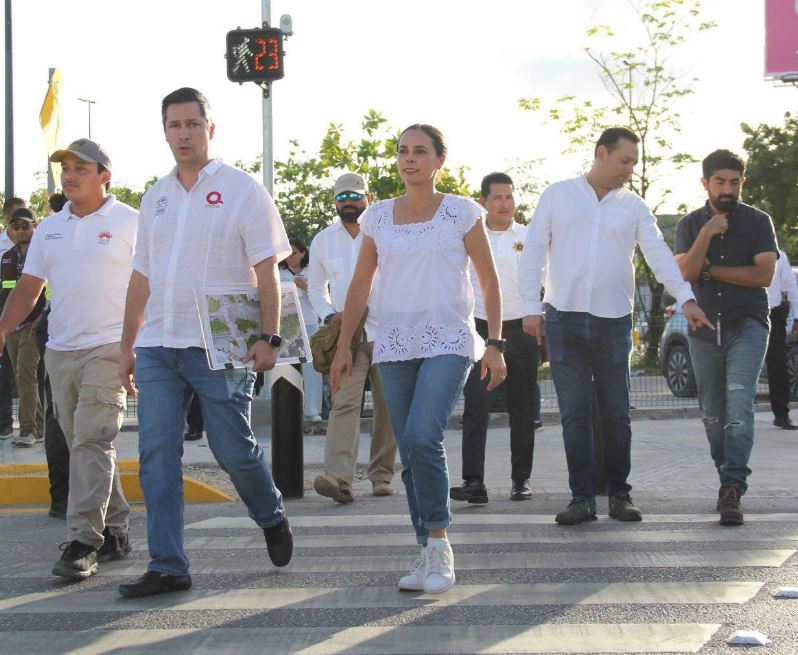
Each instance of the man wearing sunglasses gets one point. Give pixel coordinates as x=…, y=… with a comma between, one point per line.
x=21, y=343
x=6, y=370
x=334, y=252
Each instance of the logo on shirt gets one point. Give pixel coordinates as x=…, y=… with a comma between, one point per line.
x=161, y=205
x=104, y=238
x=53, y=235
x=213, y=198
x=518, y=246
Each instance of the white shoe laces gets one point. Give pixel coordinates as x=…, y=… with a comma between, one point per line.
x=439, y=561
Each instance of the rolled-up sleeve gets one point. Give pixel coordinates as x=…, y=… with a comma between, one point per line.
x=34, y=260
x=533, y=257
x=659, y=256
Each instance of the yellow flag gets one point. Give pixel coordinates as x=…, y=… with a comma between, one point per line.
x=50, y=114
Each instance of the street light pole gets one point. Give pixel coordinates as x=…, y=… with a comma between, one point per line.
x=9, y=127
x=268, y=153
x=89, y=102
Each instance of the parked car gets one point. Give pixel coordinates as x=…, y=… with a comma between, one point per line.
x=677, y=366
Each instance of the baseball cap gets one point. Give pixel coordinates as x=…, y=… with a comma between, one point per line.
x=86, y=150
x=23, y=214
x=350, y=182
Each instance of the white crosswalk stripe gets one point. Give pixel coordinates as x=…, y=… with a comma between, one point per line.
x=505, y=563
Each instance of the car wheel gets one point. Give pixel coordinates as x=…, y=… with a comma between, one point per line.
x=792, y=371
x=679, y=372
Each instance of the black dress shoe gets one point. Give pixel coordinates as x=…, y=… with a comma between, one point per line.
x=472, y=490
x=521, y=490
x=784, y=423
x=279, y=542
x=155, y=582
x=192, y=435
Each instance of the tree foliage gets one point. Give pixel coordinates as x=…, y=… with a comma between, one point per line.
x=304, y=183
x=643, y=89
x=772, y=176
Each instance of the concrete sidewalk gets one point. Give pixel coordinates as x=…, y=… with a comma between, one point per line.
x=670, y=458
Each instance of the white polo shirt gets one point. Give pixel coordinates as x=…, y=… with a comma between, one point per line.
x=506, y=246
x=211, y=235
x=87, y=264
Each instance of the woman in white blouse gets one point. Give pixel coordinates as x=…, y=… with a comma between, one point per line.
x=426, y=341
x=295, y=269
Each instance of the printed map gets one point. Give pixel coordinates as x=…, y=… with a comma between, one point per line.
x=231, y=325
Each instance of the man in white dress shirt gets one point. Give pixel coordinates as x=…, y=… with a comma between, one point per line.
x=506, y=243
x=206, y=223
x=586, y=229
x=334, y=254
x=782, y=296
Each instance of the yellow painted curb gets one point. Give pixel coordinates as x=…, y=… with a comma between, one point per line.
x=19, y=487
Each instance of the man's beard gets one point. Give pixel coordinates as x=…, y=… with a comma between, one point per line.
x=350, y=214
x=725, y=202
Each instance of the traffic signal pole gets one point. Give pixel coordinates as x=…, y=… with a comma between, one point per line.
x=9, y=149
x=268, y=151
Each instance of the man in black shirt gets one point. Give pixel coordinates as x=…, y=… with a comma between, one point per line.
x=728, y=251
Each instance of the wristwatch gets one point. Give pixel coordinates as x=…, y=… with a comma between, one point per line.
x=328, y=318
x=705, y=274
x=500, y=344
x=274, y=340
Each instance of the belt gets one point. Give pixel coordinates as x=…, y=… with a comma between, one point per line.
x=513, y=324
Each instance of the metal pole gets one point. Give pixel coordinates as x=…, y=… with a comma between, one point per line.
x=268, y=154
x=50, y=177
x=9, y=127
x=90, y=103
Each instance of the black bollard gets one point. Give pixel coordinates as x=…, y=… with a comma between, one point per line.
x=287, y=436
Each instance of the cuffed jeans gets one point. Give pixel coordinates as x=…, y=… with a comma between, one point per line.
x=166, y=379
x=726, y=378
x=420, y=395
x=584, y=348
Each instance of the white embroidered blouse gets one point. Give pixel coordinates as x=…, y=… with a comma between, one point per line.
x=425, y=301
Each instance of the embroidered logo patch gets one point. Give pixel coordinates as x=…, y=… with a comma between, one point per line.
x=213, y=198
x=104, y=238
x=53, y=235
x=161, y=205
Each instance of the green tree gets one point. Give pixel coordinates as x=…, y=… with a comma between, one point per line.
x=643, y=91
x=772, y=176
x=304, y=183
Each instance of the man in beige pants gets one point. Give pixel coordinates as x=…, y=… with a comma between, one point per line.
x=85, y=252
x=333, y=254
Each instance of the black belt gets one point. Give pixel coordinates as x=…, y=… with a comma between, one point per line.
x=514, y=324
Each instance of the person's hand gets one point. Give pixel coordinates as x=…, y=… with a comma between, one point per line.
x=264, y=356
x=493, y=361
x=716, y=225
x=695, y=316
x=301, y=282
x=337, y=318
x=534, y=325
x=126, y=367
x=340, y=368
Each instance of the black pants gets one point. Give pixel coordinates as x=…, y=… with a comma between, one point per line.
x=6, y=387
x=194, y=417
x=776, y=360
x=55, y=445
x=522, y=374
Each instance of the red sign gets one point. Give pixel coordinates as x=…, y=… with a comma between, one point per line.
x=214, y=198
x=781, y=38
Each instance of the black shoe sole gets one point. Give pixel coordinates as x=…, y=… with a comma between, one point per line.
x=458, y=494
x=521, y=497
x=633, y=518
x=560, y=521
x=127, y=592
x=73, y=574
x=731, y=520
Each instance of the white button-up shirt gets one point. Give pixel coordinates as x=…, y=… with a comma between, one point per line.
x=211, y=235
x=783, y=282
x=589, y=246
x=87, y=264
x=5, y=242
x=333, y=255
x=506, y=246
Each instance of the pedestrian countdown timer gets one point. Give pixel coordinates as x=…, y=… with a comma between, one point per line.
x=255, y=55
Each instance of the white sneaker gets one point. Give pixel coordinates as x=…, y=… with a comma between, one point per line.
x=439, y=572
x=414, y=581
x=24, y=440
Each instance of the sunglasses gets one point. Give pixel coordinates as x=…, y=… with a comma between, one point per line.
x=20, y=226
x=349, y=195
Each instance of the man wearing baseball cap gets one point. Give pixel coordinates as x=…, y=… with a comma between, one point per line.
x=85, y=253
x=334, y=253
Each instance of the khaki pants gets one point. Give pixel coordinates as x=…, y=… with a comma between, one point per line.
x=25, y=360
x=343, y=427
x=89, y=402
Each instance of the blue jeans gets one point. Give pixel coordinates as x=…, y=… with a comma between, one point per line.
x=726, y=378
x=166, y=379
x=582, y=349
x=420, y=395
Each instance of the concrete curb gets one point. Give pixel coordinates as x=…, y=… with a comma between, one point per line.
x=28, y=484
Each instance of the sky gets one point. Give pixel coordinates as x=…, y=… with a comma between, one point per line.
x=461, y=65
